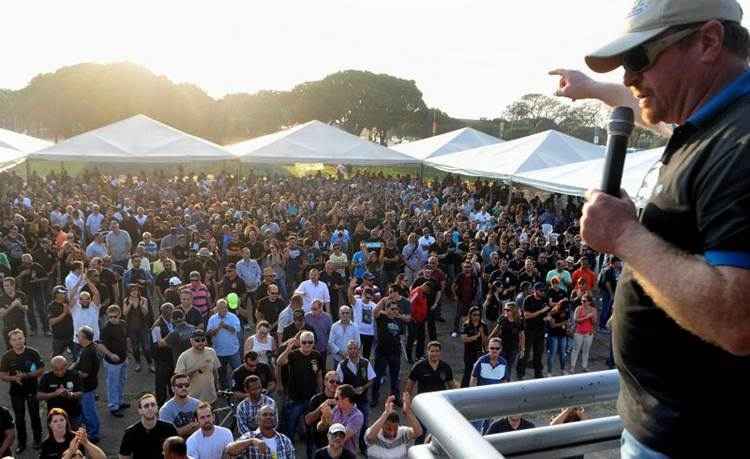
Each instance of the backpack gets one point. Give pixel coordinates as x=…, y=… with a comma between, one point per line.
x=419, y=308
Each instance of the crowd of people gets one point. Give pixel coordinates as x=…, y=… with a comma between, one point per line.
x=284, y=302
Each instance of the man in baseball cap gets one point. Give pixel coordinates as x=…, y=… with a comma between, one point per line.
x=681, y=298
x=649, y=19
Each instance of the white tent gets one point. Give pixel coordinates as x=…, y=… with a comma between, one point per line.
x=10, y=158
x=316, y=142
x=507, y=159
x=574, y=179
x=21, y=142
x=138, y=139
x=443, y=144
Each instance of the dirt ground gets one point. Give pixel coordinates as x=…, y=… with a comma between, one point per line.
x=112, y=428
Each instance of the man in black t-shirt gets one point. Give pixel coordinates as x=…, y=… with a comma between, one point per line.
x=21, y=366
x=305, y=378
x=13, y=307
x=60, y=321
x=191, y=314
x=268, y=308
x=61, y=388
x=430, y=374
x=251, y=366
x=317, y=439
x=144, y=439
x=88, y=370
x=389, y=328
x=535, y=307
x=178, y=340
x=8, y=433
x=114, y=346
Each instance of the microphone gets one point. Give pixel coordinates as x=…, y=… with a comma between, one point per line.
x=620, y=128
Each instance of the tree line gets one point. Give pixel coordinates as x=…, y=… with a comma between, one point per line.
x=82, y=97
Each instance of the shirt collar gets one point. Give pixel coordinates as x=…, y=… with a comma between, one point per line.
x=738, y=88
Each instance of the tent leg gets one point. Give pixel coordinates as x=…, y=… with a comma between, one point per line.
x=510, y=191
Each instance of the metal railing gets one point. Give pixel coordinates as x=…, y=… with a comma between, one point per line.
x=446, y=416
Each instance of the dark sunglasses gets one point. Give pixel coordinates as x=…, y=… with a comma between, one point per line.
x=199, y=340
x=182, y=386
x=640, y=58
x=494, y=348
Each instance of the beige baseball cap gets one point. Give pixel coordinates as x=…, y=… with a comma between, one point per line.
x=649, y=18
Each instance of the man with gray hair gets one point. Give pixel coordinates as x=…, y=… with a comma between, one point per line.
x=87, y=367
x=60, y=387
x=305, y=378
x=342, y=331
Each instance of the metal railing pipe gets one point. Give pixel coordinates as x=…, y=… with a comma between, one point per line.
x=458, y=438
x=528, y=395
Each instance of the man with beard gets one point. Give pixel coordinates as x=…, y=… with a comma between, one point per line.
x=144, y=439
x=201, y=364
x=180, y=409
x=210, y=441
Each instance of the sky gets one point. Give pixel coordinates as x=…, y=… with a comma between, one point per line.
x=469, y=58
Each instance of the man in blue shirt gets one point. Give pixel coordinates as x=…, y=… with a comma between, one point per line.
x=491, y=368
x=222, y=328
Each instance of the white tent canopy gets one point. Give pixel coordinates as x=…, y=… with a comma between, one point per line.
x=507, y=159
x=449, y=142
x=138, y=139
x=10, y=158
x=21, y=142
x=574, y=179
x=316, y=142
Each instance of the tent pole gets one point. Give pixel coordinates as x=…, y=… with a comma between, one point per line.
x=510, y=191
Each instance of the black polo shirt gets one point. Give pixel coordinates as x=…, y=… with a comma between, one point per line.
x=429, y=379
x=139, y=443
x=673, y=382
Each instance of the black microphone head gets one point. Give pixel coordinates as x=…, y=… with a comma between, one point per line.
x=621, y=121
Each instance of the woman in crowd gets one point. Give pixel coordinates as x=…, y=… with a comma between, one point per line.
x=137, y=315
x=261, y=342
x=585, y=317
x=475, y=336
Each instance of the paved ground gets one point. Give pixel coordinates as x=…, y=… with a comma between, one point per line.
x=112, y=428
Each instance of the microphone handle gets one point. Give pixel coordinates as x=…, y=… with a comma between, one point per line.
x=614, y=164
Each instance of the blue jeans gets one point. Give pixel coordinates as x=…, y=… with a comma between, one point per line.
x=117, y=376
x=293, y=412
x=557, y=345
x=234, y=361
x=630, y=448
x=606, y=310
x=88, y=414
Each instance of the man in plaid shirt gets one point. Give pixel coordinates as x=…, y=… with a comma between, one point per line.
x=247, y=410
x=265, y=442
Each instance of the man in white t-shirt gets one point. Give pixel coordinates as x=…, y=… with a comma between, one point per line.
x=386, y=439
x=362, y=308
x=314, y=289
x=210, y=441
x=85, y=308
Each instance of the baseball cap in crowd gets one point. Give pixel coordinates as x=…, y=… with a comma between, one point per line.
x=649, y=18
x=59, y=289
x=368, y=275
x=198, y=333
x=195, y=275
x=539, y=286
x=336, y=428
x=174, y=281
